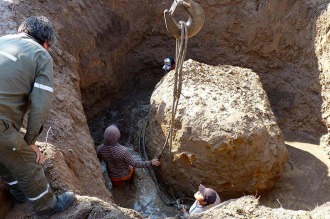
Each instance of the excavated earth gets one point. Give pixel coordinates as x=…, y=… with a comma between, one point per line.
x=110, y=50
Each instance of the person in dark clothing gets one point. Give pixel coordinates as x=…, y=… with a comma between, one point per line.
x=26, y=83
x=119, y=162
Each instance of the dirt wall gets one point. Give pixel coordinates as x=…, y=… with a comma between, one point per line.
x=276, y=39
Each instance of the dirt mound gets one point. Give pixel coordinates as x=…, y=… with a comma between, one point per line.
x=83, y=207
x=249, y=207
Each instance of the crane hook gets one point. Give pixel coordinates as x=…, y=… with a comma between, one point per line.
x=194, y=23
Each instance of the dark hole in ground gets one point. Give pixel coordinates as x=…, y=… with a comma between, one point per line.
x=130, y=114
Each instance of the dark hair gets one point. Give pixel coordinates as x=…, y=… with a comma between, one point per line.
x=40, y=28
x=172, y=60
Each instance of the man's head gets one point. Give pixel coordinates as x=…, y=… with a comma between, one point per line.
x=169, y=64
x=40, y=28
x=111, y=135
x=205, y=195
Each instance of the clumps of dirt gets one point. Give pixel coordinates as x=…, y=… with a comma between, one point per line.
x=83, y=207
x=249, y=207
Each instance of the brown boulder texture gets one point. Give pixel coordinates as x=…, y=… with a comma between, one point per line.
x=225, y=133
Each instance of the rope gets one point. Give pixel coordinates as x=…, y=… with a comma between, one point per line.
x=181, y=48
x=166, y=200
x=47, y=134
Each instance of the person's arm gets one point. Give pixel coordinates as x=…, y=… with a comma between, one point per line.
x=40, y=98
x=136, y=164
x=98, y=150
x=139, y=164
x=39, y=156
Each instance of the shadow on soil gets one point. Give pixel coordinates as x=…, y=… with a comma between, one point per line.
x=304, y=185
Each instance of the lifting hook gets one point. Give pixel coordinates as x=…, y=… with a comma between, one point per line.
x=194, y=23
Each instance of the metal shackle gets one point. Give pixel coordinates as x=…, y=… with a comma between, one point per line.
x=195, y=22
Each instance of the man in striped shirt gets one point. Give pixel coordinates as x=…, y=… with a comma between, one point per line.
x=119, y=162
x=26, y=83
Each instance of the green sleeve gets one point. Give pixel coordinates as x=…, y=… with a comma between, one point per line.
x=40, y=99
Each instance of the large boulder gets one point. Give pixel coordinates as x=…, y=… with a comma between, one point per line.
x=225, y=134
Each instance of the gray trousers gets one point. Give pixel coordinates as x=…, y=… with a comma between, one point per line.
x=18, y=168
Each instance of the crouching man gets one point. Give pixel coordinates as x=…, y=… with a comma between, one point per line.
x=26, y=83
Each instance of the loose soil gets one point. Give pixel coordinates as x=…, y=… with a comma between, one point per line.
x=306, y=182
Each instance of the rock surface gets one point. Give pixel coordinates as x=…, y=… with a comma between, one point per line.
x=225, y=133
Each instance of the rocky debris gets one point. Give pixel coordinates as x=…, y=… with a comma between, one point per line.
x=83, y=207
x=225, y=133
x=248, y=207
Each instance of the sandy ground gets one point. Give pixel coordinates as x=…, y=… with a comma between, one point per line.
x=306, y=181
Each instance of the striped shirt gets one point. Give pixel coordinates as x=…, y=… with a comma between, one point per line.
x=118, y=159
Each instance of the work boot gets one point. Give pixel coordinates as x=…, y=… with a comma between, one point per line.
x=63, y=202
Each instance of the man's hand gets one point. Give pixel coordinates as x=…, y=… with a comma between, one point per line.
x=183, y=210
x=40, y=157
x=155, y=162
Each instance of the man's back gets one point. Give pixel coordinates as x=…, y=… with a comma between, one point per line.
x=118, y=159
x=22, y=60
x=114, y=158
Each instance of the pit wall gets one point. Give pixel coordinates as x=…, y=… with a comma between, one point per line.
x=124, y=46
x=322, y=51
x=119, y=47
x=104, y=47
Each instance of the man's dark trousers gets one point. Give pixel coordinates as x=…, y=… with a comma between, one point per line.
x=18, y=168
